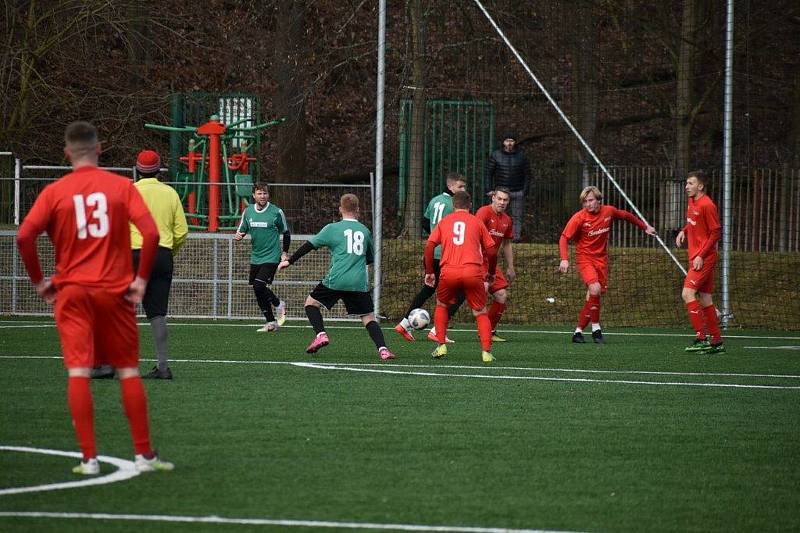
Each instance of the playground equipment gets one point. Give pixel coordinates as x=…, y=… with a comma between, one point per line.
x=217, y=157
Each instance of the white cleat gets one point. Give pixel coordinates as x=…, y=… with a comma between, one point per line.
x=269, y=327
x=280, y=313
x=87, y=468
x=154, y=464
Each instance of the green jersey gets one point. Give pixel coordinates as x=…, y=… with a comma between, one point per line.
x=265, y=227
x=350, y=243
x=438, y=208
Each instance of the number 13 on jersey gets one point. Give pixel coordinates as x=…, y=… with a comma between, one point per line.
x=99, y=227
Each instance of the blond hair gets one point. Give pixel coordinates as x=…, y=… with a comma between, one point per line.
x=591, y=189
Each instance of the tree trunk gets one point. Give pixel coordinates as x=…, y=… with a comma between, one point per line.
x=584, y=93
x=413, y=209
x=672, y=191
x=290, y=98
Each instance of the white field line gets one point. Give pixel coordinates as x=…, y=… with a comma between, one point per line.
x=126, y=470
x=10, y=324
x=270, y=522
x=542, y=378
x=772, y=347
x=464, y=367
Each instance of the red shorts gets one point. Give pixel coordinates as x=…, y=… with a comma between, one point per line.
x=702, y=280
x=500, y=282
x=471, y=283
x=594, y=272
x=97, y=327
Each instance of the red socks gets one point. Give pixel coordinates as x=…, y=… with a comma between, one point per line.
x=81, y=407
x=440, y=320
x=496, y=313
x=584, y=316
x=712, y=323
x=594, y=309
x=696, y=318
x=484, y=331
x=134, y=402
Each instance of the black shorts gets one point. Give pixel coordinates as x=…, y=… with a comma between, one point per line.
x=264, y=272
x=356, y=303
x=156, y=296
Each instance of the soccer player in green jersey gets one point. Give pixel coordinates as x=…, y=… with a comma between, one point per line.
x=439, y=207
x=350, y=244
x=265, y=222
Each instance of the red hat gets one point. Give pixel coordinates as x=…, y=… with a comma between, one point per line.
x=148, y=162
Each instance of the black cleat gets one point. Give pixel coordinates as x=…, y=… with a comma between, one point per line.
x=715, y=348
x=597, y=337
x=577, y=338
x=103, y=372
x=158, y=374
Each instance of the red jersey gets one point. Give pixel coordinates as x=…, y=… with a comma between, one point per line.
x=463, y=238
x=702, y=228
x=590, y=231
x=86, y=214
x=499, y=226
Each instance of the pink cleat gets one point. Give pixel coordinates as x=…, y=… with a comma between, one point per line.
x=319, y=342
x=403, y=332
x=385, y=354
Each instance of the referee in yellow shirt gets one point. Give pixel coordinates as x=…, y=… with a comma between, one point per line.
x=165, y=206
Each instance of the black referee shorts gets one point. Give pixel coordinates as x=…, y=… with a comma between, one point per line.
x=156, y=297
x=356, y=303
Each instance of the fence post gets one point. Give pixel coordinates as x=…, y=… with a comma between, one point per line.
x=215, y=276
x=17, y=184
x=230, y=278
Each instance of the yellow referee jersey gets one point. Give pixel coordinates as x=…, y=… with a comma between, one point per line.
x=165, y=206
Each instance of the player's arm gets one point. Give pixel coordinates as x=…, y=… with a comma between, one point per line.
x=563, y=243
x=33, y=226
x=243, y=228
x=714, y=231
x=426, y=224
x=287, y=236
x=434, y=239
x=508, y=255
x=633, y=219
x=180, y=229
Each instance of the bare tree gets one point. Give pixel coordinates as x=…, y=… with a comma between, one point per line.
x=413, y=207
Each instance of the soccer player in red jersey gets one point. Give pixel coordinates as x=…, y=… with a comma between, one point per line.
x=702, y=232
x=86, y=215
x=590, y=228
x=499, y=224
x=464, y=240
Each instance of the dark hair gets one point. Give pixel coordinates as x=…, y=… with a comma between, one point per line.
x=81, y=134
x=453, y=177
x=462, y=200
x=504, y=190
x=699, y=175
x=260, y=186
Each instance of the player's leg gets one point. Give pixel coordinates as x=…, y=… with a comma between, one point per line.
x=591, y=278
x=404, y=328
x=695, y=312
x=117, y=341
x=375, y=333
x=155, y=303
x=320, y=296
x=74, y=318
x=712, y=322
x=475, y=292
x=260, y=278
x=595, y=291
x=498, y=290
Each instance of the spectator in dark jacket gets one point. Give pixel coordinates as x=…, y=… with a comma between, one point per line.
x=508, y=167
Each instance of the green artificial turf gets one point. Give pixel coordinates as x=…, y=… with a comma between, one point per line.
x=552, y=436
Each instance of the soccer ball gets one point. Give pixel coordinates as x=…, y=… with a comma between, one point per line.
x=419, y=318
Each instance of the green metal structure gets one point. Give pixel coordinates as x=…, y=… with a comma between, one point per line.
x=459, y=137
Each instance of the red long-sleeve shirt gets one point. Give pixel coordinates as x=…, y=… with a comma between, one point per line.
x=86, y=214
x=702, y=229
x=590, y=231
